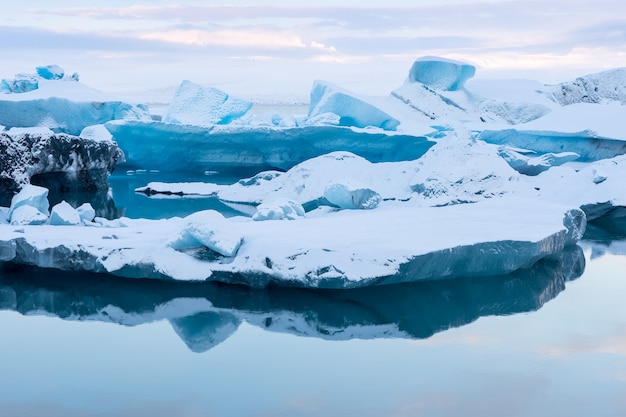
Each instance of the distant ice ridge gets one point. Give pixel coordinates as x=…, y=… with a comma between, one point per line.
x=59, y=102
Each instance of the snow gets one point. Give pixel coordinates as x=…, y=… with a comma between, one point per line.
x=441, y=73
x=279, y=209
x=607, y=86
x=98, y=133
x=196, y=105
x=351, y=195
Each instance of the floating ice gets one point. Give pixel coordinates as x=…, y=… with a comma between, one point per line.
x=280, y=209
x=352, y=110
x=166, y=146
x=32, y=196
x=63, y=214
x=210, y=229
x=533, y=165
x=86, y=212
x=441, y=73
x=196, y=105
x=63, y=105
x=27, y=215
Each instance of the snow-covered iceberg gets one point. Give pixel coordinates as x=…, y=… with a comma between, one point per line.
x=399, y=242
x=52, y=100
x=56, y=161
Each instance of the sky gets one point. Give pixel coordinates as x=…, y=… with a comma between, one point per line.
x=279, y=47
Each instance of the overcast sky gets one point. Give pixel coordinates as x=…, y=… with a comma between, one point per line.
x=248, y=47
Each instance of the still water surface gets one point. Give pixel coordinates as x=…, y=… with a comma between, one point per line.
x=549, y=341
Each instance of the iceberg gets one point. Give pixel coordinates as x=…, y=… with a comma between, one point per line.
x=165, y=146
x=63, y=105
x=350, y=195
x=203, y=106
x=343, y=249
x=440, y=73
x=352, y=110
x=56, y=161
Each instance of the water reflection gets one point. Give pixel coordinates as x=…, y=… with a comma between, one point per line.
x=203, y=315
x=606, y=235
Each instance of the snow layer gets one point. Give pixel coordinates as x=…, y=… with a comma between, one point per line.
x=603, y=87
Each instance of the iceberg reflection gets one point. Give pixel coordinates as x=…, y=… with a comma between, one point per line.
x=205, y=314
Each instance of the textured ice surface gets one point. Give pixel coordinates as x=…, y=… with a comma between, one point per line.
x=196, y=105
x=602, y=87
x=351, y=109
x=441, y=73
x=54, y=160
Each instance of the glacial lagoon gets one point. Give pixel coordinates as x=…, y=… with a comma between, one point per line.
x=546, y=341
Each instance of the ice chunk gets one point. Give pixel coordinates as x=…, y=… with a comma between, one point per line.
x=63, y=214
x=351, y=109
x=210, y=229
x=196, y=105
x=22, y=83
x=351, y=195
x=441, y=73
x=27, y=215
x=33, y=196
x=50, y=72
x=86, y=212
x=278, y=209
x=534, y=165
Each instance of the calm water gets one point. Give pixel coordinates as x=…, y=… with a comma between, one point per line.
x=549, y=341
